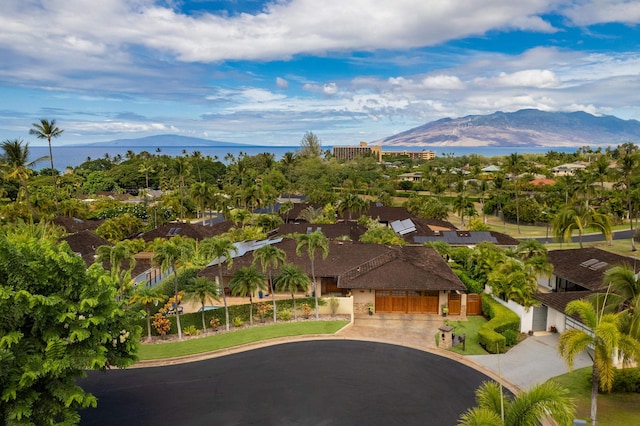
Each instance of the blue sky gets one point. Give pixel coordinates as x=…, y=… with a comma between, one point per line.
x=266, y=72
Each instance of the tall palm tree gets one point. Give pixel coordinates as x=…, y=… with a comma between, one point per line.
x=628, y=165
x=528, y=408
x=118, y=256
x=17, y=164
x=202, y=194
x=352, y=203
x=169, y=256
x=530, y=248
x=147, y=296
x=462, y=204
x=292, y=279
x=313, y=241
x=514, y=165
x=580, y=217
x=46, y=130
x=220, y=249
x=200, y=290
x=623, y=295
x=246, y=281
x=270, y=258
x=601, y=342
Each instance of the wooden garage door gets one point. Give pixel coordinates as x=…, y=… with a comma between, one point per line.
x=401, y=301
x=474, y=304
x=383, y=301
x=430, y=302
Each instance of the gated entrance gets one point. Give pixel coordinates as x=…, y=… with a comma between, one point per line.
x=474, y=304
x=539, y=321
x=455, y=300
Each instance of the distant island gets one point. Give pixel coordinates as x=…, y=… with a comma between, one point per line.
x=166, y=140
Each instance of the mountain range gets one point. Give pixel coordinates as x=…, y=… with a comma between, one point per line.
x=166, y=140
x=526, y=128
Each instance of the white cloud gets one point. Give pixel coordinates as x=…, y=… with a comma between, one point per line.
x=330, y=88
x=282, y=83
x=443, y=82
x=525, y=78
x=603, y=11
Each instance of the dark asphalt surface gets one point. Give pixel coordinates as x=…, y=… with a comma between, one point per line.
x=591, y=237
x=329, y=382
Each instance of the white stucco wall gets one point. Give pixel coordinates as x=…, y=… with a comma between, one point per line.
x=526, y=315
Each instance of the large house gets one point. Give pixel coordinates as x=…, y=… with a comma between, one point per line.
x=396, y=279
x=577, y=274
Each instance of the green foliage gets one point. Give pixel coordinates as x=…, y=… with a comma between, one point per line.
x=120, y=228
x=626, y=380
x=528, y=208
x=511, y=337
x=284, y=315
x=237, y=322
x=382, y=235
x=334, y=304
x=191, y=331
x=501, y=319
x=472, y=285
x=57, y=319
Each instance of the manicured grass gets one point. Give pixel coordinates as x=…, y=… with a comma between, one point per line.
x=235, y=338
x=617, y=409
x=470, y=329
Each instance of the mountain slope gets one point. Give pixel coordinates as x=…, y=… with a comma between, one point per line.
x=528, y=127
x=165, y=140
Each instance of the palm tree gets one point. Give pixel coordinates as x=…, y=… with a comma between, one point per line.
x=17, y=164
x=147, y=295
x=46, y=130
x=200, y=290
x=531, y=248
x=202, y=194
x=170, y=255
x=514, y=165
x=628, y=168
x=623, y=296
x=528, y=408
x=220, y=249
x=146, y=167
x=601, y=342
x=313, y=241
x=292, y=279
x=118, y=255
x=352, y=203
x=462, y=204
x=580, y=217
x=246, y=281
x=270, y=257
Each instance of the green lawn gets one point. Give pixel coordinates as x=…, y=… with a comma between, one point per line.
x=235, y=338
x=618, y=409
x=470, y=329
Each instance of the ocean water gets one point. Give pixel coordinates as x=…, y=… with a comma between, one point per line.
x=73, y=155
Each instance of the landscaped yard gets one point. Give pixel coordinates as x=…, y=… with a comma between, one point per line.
x=617, y=409
x=470, y=329
x=236, y=338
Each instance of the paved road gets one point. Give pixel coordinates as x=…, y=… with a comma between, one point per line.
x=534, y=360
x=589, y=238
x=324, y=382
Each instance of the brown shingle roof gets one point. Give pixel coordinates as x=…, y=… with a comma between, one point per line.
x=578, y=266
x=85, y=244
x=560, y=300
x=331, y=231
x=197, y=232
x=73, y=225
x=358, y=265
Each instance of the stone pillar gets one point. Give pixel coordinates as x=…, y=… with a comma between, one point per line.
x=446, y=339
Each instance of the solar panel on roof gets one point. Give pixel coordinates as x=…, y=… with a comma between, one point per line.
x=598, y=266
x=589, y=262
x=170, y=232
x=403, y=227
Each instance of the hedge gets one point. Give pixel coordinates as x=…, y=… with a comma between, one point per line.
x=501, y=319
x=242, y=311
x=626, y=380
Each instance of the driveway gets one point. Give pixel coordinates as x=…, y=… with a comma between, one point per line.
x=532, y=361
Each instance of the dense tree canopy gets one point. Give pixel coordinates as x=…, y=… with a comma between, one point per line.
x=56, y=319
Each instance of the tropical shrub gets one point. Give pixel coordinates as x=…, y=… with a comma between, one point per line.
x=284, y=314
x=214, y=323
x=334, y=304
x=306, y=310
x=626, y=380
x=161, y=324
x=237, y=322
x=190, y=331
